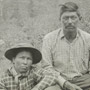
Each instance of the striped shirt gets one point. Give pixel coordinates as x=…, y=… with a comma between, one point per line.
x=68, y=59
x=37, y=78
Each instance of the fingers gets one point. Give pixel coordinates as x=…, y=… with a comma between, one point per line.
x=77, y=88
x=70, y=86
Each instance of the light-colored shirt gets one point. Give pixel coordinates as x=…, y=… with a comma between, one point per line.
x=68, y=59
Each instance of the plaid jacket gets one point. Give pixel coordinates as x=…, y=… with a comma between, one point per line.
x=40, y=79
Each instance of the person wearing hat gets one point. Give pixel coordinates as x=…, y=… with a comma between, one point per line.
x=66, y=51
x=22, y=75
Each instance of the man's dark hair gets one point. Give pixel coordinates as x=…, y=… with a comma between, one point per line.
x=71, y=7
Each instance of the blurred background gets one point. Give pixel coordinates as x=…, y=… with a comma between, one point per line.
x=30, y=20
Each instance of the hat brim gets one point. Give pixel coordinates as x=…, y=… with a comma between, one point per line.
x=36, y=54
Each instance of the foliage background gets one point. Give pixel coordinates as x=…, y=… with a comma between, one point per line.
x=30, y=20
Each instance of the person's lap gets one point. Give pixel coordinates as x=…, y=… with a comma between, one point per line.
x=83, y=82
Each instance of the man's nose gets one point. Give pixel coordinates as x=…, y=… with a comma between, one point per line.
x=25, y=61
x=70, y=20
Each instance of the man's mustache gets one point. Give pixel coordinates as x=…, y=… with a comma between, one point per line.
x=70, y=26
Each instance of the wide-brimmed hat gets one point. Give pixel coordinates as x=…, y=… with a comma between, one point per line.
x=11, y=52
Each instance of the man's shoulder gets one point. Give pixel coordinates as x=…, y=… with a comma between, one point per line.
x=84, y=34
x=52, y=34
x=5, y=74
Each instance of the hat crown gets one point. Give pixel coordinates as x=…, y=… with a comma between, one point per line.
x=22, y=45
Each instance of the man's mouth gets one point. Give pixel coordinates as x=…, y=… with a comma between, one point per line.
x=70, y=27
x=24, y=67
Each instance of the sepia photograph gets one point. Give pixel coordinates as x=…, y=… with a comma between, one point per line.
x=44, y=44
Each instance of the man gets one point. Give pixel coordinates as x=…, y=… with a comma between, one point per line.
x=66, y=51
x=22, y=75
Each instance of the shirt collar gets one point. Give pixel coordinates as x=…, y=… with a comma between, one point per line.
x=13, y=72
x=62, y=34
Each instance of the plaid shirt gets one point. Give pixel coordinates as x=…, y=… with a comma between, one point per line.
x=38, y=78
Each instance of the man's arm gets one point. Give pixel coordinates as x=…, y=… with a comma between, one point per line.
x=47, y=61
x=44, y=79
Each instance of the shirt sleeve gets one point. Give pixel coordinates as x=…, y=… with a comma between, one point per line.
x=46, y=53
x=44, y=79
x=47, y=61
x=2, y=85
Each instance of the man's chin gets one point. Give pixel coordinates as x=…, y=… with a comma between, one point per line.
x=70, y=28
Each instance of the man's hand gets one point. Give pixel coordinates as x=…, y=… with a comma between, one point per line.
x=69, y=86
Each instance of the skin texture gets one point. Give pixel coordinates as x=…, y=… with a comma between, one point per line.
x=69, y=21
x=22, y=62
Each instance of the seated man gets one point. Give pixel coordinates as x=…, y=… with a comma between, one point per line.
x=66, y=51
x=22, y=75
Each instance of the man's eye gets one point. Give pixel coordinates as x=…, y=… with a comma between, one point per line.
x=65, y=18
x=73, y=17
x=22, y=57
x=29, y=58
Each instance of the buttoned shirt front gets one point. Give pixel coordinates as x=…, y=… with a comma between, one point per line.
x=68, y=59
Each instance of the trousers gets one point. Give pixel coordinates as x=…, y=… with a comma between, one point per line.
x=81, y=81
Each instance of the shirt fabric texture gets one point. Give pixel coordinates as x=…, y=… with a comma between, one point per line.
x=37, y=77
x=66, y=59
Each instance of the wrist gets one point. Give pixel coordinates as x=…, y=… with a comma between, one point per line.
x=66, y=84
x=60, y=80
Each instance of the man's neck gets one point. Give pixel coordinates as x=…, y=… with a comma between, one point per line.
x=14, y=71
x=70, y=36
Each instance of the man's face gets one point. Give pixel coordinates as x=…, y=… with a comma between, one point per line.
x=69, y=21
x=22, y=62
